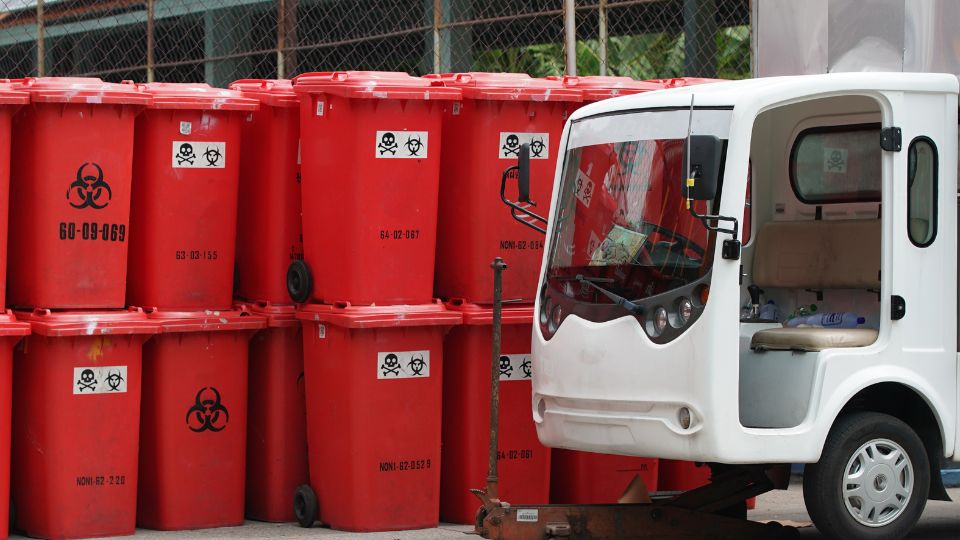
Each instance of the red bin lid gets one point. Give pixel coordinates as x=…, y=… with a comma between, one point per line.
x=206, y=321
x=596, y=87
x=373, y=84
x=9, y=326
x=10, y=96
x=508, y=87
x=349, y=316
x=689, y=81
x=197, y=96
x=273, y=92
x=81, y=90
x=45, y=322
x=276, y=316
x=475, y=314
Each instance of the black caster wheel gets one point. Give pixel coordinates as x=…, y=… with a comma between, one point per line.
x=13, y=517
x=299, y=282
x=305, y=506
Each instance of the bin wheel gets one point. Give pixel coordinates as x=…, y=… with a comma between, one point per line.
x=299, y=282
x=305, y=506
x=13, y=516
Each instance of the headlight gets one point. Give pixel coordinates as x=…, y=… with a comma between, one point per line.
x=659, y=320
x=684, y=310
x=556, y=317
x=545, y=310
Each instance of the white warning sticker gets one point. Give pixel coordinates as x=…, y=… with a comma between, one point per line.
x=199, y=155
x=403, y=365
x=515, y=367
x=510, y=145
x=321, y=331
x=584, y=191
x=401, y=144
x=99, y=380
x=835, y=160
x=528, y=515
x=186, y=128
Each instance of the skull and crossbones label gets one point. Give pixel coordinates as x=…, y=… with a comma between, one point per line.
x=89, y=189
x=835, y=160
x=510, y=142
x=99, y=380
x=199, y=155
x=515, y=367
x=401, y=144
x=403, y=365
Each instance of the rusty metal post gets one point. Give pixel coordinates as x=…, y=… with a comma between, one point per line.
x=570, y=35
x=498, y=267
x=602, y=36
x=151, y=44
x=437, y=22
x=41, y=42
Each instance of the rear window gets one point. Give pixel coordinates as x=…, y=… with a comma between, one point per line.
x=837, y=164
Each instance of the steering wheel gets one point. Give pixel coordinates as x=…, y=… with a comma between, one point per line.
x=678, y=246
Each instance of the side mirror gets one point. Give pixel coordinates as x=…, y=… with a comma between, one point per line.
x=523, y=173
x=704, y=153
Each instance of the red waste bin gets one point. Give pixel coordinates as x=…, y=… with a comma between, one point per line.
x=70, y=193
x=524, y=463
x=599, y=87
x=373, y=382
x=277, y=425
x=589, y=478
x=371, y=165
x=10, y=102
x=482, y=135
x=76, y=403
x=11, y=332
x=194, y=420
x=184, y=222
x=689, y=81
x=268, y=227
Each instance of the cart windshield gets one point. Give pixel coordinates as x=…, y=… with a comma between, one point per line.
x=621, y=219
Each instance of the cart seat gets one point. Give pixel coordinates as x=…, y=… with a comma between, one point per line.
x=811, y=339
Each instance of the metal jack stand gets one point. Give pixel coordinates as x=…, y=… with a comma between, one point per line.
x=685, y=515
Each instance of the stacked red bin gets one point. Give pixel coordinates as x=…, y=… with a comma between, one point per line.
x=182, y=243
x=70, y=200
x=482, y=134
x=371, y=151
x=268, y=240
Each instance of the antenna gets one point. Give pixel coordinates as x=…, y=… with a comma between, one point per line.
x=690, y=179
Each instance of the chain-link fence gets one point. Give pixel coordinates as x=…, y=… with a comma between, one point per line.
x=218, y=41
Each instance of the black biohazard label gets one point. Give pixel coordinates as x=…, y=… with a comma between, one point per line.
x=401, y=144
x=99, y=380
x=208, y=412
x=403, y=365
x=515, y=367
x=89, y=189
x=510, y=143
x=199, y=155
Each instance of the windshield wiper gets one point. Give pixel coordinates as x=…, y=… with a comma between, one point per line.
x=621, y=301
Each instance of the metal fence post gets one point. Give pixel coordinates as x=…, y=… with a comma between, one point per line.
x=151, y=44
x=281, y=38
x=437, y=21
x=41, y=42
x=570, y=35
x=602, y=35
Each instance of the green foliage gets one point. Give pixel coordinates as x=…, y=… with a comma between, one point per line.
x=644, y=56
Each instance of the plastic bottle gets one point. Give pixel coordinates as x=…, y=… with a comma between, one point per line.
x=828, y=320
x=770, y=311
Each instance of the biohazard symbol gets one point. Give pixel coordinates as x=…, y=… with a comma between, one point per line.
x=89, y=190
x=185, y=154
x=391, y=364
x=114, y=380
x=506, y=368
x=414, y=145
x=87, y=381
x=212, y=155
x=527, y=368
x=207, y=414
x=417, y=365
x=537, y=147
x=388, y=143
x=511, y=146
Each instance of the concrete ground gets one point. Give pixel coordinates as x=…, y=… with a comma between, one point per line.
x=941, y=521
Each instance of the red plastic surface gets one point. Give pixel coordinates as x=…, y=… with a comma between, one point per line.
x=524, y=464
x=183, y=227
x=10, y=102
x=9, y=95
x=10, y=333
x=374, y=443
x=507, y=87
x=194, y=421
x=370, y=222
x=474, y=225
x=70, y=195
x=81, y=90
x=197, y=96
x=689, y=81
x=373, y=85
x=596, y=87
x=268, y=231
x=277, y=426
x=588, y=478
x=75, y=442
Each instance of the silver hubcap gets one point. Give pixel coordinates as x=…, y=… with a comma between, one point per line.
x=878, y=483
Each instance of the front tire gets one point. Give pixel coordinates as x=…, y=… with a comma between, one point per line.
x=872, y=479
